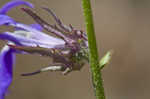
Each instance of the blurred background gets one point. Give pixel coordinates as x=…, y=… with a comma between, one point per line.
x=121, y=25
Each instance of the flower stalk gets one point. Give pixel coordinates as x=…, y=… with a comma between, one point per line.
x=93, y=52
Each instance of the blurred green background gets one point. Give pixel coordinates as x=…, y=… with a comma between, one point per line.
x=121, y=25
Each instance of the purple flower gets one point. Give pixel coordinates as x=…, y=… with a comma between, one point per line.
x=7, y=55
x=6, y=61
x=68, y=50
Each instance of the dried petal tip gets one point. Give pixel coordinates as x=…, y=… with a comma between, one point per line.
x=24, y=9
x=30, y=74
x=14, y=46
x=50, y=28
x=64, y=27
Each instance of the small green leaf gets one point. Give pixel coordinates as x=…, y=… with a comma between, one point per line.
x=105, y=59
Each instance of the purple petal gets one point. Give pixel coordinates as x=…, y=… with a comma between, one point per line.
x=6, y=66
x=5, y=36
x=13, y=4
x=21, y=40
x=37, y=26
x=4, y=19
x=38, y=35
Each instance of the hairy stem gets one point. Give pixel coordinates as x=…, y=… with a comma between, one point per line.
x=93, y=53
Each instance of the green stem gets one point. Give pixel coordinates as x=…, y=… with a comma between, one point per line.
x=93, y=53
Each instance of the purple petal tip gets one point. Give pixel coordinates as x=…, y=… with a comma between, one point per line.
x=6, y=60
x=4, y=20
x=13, y=4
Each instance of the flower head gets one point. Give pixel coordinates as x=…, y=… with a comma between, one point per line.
x=68, y=49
